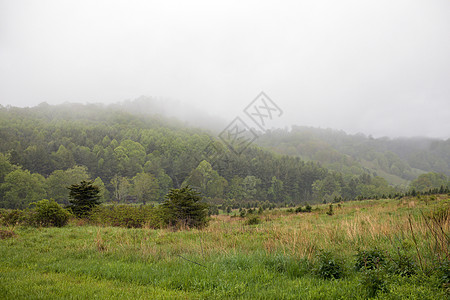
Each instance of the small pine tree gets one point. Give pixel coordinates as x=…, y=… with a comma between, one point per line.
x=183, y=207
x=83, y=198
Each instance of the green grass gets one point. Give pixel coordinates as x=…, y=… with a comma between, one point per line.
x=275, y=259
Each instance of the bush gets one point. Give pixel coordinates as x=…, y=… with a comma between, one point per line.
x=308, y=208
x=49, y=213
x=330, y=210
x=124, y=215
x=253, y=220
x=369, y=259
x=403, y=265
x=299, y=209
x=182, y=207
x=328, y=267
x=12, y=217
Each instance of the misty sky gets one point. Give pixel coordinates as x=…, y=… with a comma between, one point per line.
x=376, y=67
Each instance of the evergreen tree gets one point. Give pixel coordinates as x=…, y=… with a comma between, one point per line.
x=83, y=198
x=183, y=207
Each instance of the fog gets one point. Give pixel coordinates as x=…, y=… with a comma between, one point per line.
x=376, y=67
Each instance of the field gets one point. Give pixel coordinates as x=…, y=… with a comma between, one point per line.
x=286, y=256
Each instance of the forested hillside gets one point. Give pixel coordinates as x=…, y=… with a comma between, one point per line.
x=397, y=160
x=139, y=157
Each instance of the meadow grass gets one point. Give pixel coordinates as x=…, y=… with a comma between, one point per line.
x=275, y=259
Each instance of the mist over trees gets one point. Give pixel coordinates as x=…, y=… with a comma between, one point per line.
x=398, y=160
x=140, y=157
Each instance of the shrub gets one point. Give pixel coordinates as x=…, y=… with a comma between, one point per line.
x=12, y=217
x=308, y=208
x=330, y=210
x=182, y=207
x=328, y=267
x=299, y=209
x=49, y=213
x=253, y=220
x=369, y=259
x=123, y=215
x=403, y=265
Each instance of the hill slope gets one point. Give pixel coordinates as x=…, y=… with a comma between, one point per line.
x=397, y=160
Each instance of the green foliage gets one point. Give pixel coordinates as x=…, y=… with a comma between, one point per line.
x=242, y=212
x=307, y=208
x=442, y=270
x=253, y=220
x=374, y=281
x=356, y=154
x=402, y=264
x=56, y=140
x=429, y=181
x=330, y=211
x=207, y=180
x=121, y=188
x=272, y=261
x=328, y=266
x=146, y=187
x=20, y=188
x=183, y=207
x=83, y=198
x=213, y=210
x=59, y=180
x=49, y=213
x=13, y=217
x=285, y=264
x=369, y=259
x=5, y=166
x=128, y=216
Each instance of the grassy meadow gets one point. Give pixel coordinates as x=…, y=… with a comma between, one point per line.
x=286, y=256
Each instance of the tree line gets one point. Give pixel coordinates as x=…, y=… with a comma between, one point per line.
x=137, y=158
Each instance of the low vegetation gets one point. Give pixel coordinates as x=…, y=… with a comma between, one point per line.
x=387, y=249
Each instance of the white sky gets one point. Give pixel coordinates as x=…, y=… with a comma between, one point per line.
x=378, y=67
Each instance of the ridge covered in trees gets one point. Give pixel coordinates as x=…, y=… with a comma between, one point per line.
x=398, y=160
x=139, y=157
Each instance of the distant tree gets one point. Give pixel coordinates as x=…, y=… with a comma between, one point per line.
x=276, y=189
x=63, y=158
x=20, y=188
x=429, y=181
x=207, y=180
x=250, y=184
x=58, y=181
x=145, y=187
x=104, y=193
x=183, y=207
x=5, y=166
x=121, y=187
x=83, y=198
